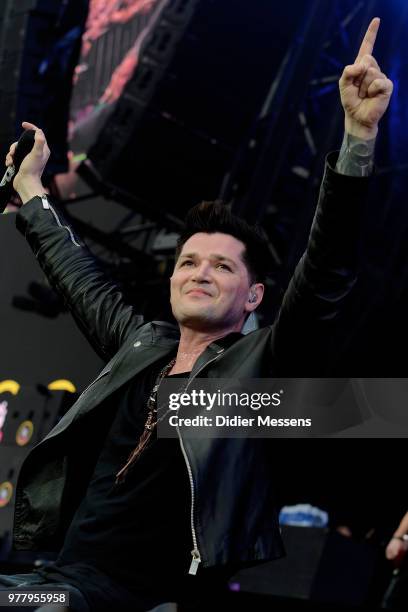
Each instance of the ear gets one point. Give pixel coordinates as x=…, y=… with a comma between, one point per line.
x=255, y=295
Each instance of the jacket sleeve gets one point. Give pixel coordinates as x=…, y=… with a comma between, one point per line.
x=310, y=324
x=95, y=302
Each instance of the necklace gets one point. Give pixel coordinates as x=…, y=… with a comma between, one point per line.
x=150, y=424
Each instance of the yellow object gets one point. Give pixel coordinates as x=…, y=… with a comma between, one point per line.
x=62, y=385
x=9, y=385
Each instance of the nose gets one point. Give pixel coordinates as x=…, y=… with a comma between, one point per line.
x=201, y=272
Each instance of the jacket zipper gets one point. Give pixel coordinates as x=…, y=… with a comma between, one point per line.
x=47, y=206
x=195, y=553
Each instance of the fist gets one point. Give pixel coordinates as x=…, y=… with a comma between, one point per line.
x=33, y=164
x=396, y=550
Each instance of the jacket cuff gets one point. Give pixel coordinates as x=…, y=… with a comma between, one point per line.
x=346, y=179
x=28, y=213
x=344, y=195
x=37, y=221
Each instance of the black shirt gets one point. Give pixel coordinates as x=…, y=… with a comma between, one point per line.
x=137, y=533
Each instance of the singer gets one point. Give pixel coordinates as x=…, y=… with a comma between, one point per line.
x=141, y=522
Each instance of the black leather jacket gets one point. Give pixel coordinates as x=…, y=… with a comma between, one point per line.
x=233, y=517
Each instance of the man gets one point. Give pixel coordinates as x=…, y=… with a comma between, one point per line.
x=133, y=515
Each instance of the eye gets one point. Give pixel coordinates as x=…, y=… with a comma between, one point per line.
x=223, y=266
x=186, y=262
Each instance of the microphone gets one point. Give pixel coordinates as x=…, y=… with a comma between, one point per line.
x=23, y=148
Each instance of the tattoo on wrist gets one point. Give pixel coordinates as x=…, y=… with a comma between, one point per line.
x=356, y=156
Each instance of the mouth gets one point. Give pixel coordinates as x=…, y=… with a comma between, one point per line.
x=198, y=292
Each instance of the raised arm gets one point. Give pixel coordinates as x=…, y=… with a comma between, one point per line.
x=365, y=93
x=307, y=333
x=95, y=302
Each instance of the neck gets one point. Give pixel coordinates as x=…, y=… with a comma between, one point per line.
x=192, y=344
x=193, y=340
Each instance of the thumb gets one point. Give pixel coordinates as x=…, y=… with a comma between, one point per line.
x=39, y=137
x=39, y=142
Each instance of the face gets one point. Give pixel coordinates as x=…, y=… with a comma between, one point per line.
x=210, y=286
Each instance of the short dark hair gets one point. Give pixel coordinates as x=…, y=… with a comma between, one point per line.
x=216, y=216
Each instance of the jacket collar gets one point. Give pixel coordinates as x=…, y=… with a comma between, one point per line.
x=159, y=331
x=161, y=334
x=214, y=350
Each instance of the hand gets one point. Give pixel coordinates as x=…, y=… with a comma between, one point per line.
x=396, y=550
x=27, y=181
x=345, y=531
x=365, y=91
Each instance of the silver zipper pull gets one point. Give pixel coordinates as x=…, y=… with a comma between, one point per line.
x=45, y=202
x=195, y=562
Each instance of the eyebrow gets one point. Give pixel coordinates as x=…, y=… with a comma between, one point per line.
x=215, y=256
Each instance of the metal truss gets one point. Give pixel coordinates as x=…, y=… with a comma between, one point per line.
x=277, y=179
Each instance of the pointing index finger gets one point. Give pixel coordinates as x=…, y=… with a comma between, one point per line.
x=367, y=45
